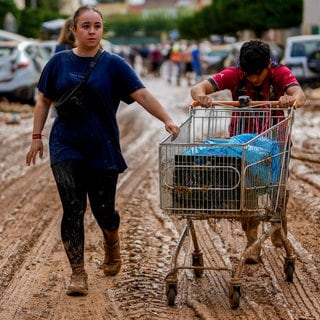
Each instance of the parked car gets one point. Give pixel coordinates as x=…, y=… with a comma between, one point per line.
x=10, y=36
x=213, y=60
x=20, y=66
x=47, y=48
x=302, y=56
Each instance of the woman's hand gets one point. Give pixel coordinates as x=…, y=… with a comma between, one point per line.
x=41, y=110
x=36, y=146
x=172, y=128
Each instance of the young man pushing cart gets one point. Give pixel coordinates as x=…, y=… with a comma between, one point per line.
x=261, y=79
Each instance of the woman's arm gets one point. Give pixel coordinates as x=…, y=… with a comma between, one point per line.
x=40, y=116
x=154, y=107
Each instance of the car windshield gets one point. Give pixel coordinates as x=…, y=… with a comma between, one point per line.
x=6, y=51
x=305, y=48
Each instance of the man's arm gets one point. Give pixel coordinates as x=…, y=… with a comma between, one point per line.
x=200, y=91
x=294, y=95
x=298, y=95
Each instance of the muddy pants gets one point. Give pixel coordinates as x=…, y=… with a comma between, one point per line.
x=75, y=181
x=250, y=225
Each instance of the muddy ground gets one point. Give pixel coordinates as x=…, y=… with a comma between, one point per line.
x=34, y=272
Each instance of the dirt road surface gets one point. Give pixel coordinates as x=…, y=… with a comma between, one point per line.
x=34, y=272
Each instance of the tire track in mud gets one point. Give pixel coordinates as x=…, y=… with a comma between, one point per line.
x=265, y=293
x=19, y=230
x=34, y=272
x=146, y=248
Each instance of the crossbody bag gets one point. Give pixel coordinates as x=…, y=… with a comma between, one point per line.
x=73, y=103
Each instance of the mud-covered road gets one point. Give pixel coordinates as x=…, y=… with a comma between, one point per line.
x=34, y=271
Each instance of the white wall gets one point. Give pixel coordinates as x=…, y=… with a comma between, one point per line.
x=311, y=15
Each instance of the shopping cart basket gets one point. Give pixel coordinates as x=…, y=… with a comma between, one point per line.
x=229, y=162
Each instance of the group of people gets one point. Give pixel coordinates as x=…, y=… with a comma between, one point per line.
x=184, y=60
x=85, y=154
x=173, y=61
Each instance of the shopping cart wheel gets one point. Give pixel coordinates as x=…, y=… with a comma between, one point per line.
x=171, y=294
x=234, y=296
x=197, y=261
x=289, y=267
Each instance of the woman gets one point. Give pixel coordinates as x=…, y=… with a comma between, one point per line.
x=85, y=154
x=66, y=38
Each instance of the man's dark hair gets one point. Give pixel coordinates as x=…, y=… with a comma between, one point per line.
x=254, y=57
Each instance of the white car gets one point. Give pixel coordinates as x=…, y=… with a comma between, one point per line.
x=302, y=56
x=21, y=63
x=10, y=36
x=213, y=60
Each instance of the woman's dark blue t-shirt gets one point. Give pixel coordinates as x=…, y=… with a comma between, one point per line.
x=94, y=138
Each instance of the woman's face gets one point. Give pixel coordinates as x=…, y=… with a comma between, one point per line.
x=89, y=29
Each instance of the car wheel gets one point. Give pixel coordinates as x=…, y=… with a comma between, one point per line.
x=314, y=61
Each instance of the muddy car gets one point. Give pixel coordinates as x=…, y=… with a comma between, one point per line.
x=21, y=63
x=302, y=56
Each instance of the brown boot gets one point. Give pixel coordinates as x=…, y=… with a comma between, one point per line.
x=78, y=283
x=252, y=235
x=112, y=260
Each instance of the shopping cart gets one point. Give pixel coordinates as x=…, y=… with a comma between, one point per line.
x=229, y=162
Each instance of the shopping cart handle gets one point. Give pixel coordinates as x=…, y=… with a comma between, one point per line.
x=236, y=103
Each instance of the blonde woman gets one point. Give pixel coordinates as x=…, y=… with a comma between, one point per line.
x=85, y=154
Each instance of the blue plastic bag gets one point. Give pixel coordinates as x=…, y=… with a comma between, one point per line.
x=261, y=156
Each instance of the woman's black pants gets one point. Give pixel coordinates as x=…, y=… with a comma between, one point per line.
x=75, y=181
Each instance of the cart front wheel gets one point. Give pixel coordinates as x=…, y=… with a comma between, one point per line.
x=289, y=270
x=197, y=261
x=234, y=297
x=171, y=294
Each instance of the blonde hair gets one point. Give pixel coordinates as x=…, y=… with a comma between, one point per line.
x=66, y=36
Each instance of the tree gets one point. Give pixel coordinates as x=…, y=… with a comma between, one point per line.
x=129, y=26
x=5, y=7
x=231, y=16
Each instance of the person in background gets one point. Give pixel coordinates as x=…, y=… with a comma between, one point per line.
x=66, y=38
x=132, y=56
x=144, y=52
x=187, y=60
x=155, y=60
x=176, y=59
x=260, y=79
x=196, y=62
x=85, y=154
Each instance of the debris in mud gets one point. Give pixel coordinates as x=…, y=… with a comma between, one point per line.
x=12, y=113
x=12, y=118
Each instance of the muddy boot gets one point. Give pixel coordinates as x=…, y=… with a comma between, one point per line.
x=78, y=283
x=252, y=235
x=112, y=260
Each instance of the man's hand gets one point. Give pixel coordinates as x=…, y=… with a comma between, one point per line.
x=286, y=101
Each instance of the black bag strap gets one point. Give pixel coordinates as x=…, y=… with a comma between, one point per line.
x=92, y=64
